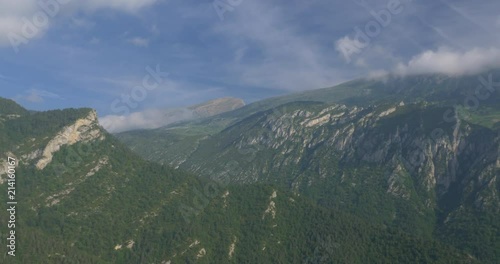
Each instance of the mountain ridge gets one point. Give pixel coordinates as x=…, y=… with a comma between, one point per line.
x=97, y=202
x=413, y=159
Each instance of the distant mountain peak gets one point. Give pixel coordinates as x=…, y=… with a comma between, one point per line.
x=217, y=106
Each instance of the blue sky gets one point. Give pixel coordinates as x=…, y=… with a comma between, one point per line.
x=89, y=53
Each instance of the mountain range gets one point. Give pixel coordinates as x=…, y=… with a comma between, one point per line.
x=417, y=153
x=390, y=170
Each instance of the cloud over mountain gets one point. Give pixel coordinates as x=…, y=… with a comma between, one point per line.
x=451, y=62
x=144, y=120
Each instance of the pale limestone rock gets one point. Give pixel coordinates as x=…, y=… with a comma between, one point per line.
x=318, y=121
x=196, y=242
x=387, y=112
x=232, y=247
x=84, y=129
x=32, y=155
x=56, y=198
x=224, y=196
x=100, y=164
x=271, y=208
x=130, y=244
x=201, y=253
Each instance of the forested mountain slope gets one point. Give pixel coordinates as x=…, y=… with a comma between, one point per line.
x=420, y=154
x=82, y=197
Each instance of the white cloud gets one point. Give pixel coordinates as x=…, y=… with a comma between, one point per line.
x=139, y=42
x=31, y=18
x=37, y=96
x=148, y=119
x=287, y=59
x=14, y=29
x=451, y=62
x=34, y=98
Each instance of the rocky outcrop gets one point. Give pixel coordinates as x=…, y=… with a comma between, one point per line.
x=56, y=198
x=102, y=162
x=83, y=130
x=396, y=184
x=232, y=247
x=201, y=253
x=271, y=208
x=318, y=121
x=387, y=112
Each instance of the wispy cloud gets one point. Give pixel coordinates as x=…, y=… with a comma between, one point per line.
x=148, y=119
x=139, y=42
x=348, y=47
x=37, y=96
x=124, y=5
x=31, y=18
x=287, y=59
x=261, y=48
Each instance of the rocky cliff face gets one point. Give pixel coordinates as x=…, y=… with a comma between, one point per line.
x=39, y=151
x=408, y=151
x=82, y=130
